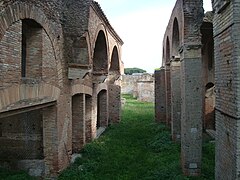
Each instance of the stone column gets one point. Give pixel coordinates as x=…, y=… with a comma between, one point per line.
x=160, y=96
x=175, y=99
x=191, y=109
x=114, y=93
x=168, y=94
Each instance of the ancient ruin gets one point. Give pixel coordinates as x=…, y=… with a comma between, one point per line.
x=60, y=63
x=197, y=88
x=140, y=85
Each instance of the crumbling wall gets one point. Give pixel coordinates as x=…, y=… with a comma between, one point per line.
x=139, y=85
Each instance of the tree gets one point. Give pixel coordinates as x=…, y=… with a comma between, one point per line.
x=130, y=71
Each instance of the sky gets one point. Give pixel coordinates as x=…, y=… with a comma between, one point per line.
x=141, y=24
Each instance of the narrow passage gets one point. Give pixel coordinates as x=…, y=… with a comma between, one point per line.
x=137, y=148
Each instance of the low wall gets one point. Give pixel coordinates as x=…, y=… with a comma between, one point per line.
x=140, y=85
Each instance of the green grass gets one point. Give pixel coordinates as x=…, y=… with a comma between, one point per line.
x=14, y=175
x=137, y=148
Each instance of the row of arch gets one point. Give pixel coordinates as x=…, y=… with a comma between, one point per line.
x=43, y=114
x=187, y=103
x=100, y=57
x=173, y=51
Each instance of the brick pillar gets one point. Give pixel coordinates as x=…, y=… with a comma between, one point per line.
x=94, y=112
x=160, y=96
x=78, y=122
x=88, y=118
x=114, y=94
x=102, y=108
x=168, y=94
x=191, y=109
x=50, y=140
x=175, y=99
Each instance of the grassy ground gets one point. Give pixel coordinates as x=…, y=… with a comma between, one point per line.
x=137, y=148
x=14, y=175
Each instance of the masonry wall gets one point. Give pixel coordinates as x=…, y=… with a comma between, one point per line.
x=114, y=103
x=145, y=91
x=49, y=65
x=78, y=122
x=182, y=40
x=10, y=50
x=139, y=85
x=128, y=83
x=168, y=95
x=23, y=132
x=226, y=48
x=88, y=117
x=50, y=39
x=160, y=94
x=175, y=100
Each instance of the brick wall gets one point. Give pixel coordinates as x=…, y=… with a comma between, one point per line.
x=140, y=85
x=168, y=94
x=50, y=140
x=10, y=56
x=160, y=96
x=175, y=100
x=102, y=109
x=226, y=49
x=78, y=122
x=188, y=15
x=32, y=38
x=23, y=132
x=114, y=103
x=88, y=116
x=49, y=65
x=59, y=32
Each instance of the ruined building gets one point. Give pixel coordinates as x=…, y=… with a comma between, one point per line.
x=60, y=63
x=197, y=87
x=140, y=85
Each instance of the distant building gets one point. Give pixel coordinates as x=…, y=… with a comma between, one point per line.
x=140, y=85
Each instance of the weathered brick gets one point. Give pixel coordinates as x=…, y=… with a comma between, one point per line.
x=46, y=31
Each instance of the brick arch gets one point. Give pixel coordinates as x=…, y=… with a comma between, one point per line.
x=89, y=45
x=101, y=41
x=18, y=11
x=81, y=89
x=175, y=37
x=101, y=87
x=163, y=55
x=102, y=109
x=115, y=60
x=35, y=93
x=167, y=55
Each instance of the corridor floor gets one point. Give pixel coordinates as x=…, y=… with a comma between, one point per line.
x=137, y=148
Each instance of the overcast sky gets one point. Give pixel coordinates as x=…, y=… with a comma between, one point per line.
x=141, y=25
